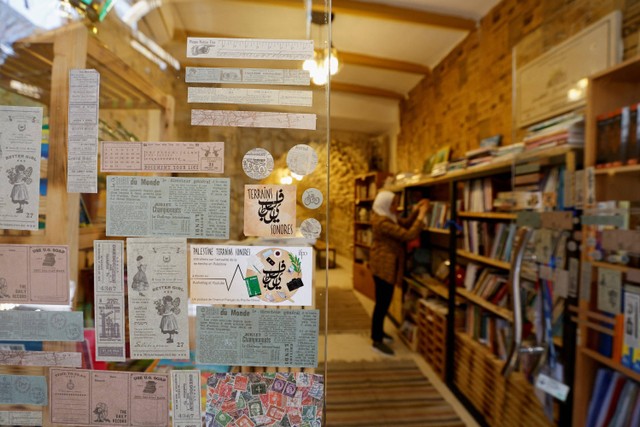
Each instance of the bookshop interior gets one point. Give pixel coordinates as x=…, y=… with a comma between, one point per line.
x=418, y=212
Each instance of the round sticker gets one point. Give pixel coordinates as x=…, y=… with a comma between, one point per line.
x=312, y=198
x=257, y=163
x=302, y=159
x=311, y=228
x=273, y=275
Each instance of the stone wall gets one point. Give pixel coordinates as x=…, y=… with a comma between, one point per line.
x=467, y=97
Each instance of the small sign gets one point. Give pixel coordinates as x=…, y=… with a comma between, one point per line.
x=552, y=387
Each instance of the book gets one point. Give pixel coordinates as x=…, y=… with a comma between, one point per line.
x=617, y=381
x=601, y=385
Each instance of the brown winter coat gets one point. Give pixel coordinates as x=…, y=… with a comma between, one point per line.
x=387, y=250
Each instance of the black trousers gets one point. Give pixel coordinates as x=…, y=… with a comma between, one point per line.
x=384, y=293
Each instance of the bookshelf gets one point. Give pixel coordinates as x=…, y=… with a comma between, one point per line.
x=365, y=189
x=494, y=310
x=616, y=173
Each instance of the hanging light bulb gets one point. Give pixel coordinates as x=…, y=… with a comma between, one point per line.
x=325, y=62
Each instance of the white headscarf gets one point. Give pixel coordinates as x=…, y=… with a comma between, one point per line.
x=382, y=205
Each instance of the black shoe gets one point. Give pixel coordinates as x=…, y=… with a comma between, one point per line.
x=387, y=338
x=382, y=348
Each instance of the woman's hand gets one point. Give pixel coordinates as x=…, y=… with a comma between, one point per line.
x=423, y=207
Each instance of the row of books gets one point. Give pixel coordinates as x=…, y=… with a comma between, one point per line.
x=490, y=240
x=617, y=137
x=489, y=330
x=615, y=401
x=534, y=189
x=366, y=190
x=488, y=283
x=567, y=129
x=364, y=236
x=438, y=215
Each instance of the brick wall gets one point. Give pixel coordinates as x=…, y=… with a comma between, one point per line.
x=467, y=97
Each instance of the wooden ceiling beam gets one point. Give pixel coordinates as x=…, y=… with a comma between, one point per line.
x=365, y=90
x=387, y=12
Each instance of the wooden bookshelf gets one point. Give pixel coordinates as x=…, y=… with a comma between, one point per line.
x=363, y=222
x=488, y=215
x=619, y=267
x=359, y=201
x=610, y=363
x=618, y=170
x=505, y=313
x=362, y=245
x=485, y=260
x=432, y=285
x=438, y=230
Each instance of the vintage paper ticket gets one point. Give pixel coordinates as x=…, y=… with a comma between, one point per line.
x=253, y=119
x=185, y=398
x=254, y=399
x=200, y=47
x=251, y=275
x=212, y=95
x=257, y=337
x=270, y=210
x=34, y=274
x=20, y=418
x=167, y=206
x=257, y=163
x=83, y=397
x=178, y=157
x=40, y=358
x=265, y=76
x=84, y=101
x=157, y=283
x=108, y=279
x=23, y=390
x=20, y=140
x=18, y=325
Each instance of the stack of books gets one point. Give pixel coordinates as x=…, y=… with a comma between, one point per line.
x=561, y=130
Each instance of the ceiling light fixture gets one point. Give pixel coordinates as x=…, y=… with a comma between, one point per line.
x=325, y=62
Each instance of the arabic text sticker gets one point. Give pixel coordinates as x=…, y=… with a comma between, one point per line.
x=257, y=163
x=270, y=210
x=312, y=198
x=302, y=159
x=280, y=276
x=311, y=228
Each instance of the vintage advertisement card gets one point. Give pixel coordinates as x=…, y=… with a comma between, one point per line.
x=23, y=390
x=157, y=284
x=185, y=398
x=232, y=48
x=178, y=157
x=609, y=290
x=257, y=337
x=251, y=275
x=253, y=119
x=84, y=103
x=20, y=140
x=108, y=279
x=223, y=95
x=270, y=210
x=19, y=325
x=34, y=274
x=168, y=206
x=40, y=358
x=254, y=399
x=264, y=76
x=82, y=397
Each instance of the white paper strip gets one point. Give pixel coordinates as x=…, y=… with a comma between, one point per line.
x=256, y=119
x=298, y=98
x=84, y=97
x=185, y=398
x=265, y=76
x=20, y=418
x=40, y=358
x=249, y=48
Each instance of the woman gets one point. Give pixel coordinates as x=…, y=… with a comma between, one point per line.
x=387, y=256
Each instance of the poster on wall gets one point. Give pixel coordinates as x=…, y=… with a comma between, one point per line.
x=157, y=288
x=168, y=157
x=270, y=210
x=255, y=399
x=20, y=140
x=251, y=275
x=556, y=81
x=168, y=206
x=82, y=129
x=81, y=397
x=34, y=274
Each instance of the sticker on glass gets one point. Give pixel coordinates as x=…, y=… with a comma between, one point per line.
x=312, y=198
x=257, y=163
x=274, y=275
x=302, y=159
x=311, y=228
